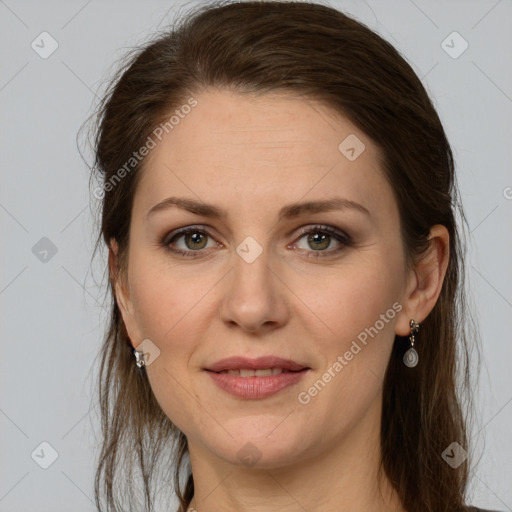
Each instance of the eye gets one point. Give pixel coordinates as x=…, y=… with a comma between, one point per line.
x=320, y=238
x=194, y=238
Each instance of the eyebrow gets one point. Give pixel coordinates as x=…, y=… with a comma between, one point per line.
x=286, y=212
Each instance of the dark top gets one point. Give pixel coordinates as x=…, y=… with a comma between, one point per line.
x=474, y=509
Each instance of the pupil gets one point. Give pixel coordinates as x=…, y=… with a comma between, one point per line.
x=318, y=238
x=195, y=238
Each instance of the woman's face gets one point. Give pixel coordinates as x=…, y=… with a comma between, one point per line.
x=322, y=287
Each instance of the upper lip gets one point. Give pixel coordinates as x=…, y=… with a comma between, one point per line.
x=238, y=362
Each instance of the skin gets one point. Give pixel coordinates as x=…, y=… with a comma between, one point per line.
x=252, y=155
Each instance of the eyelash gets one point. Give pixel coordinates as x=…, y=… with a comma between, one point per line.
x=341, y=237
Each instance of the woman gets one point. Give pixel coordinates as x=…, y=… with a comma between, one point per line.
x=278, y=200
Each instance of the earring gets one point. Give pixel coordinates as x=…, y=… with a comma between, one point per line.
x=139, y=358
x=411, y=356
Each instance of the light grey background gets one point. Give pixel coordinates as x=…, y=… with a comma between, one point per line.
x=52, y=321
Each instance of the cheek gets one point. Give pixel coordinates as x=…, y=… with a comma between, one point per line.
x=165, y=295
x=352, y=299
x=355, y=339
x=353, y=329
x=167, y=304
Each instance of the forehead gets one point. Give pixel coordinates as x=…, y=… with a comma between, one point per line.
x=276, y=121
x=273, y=147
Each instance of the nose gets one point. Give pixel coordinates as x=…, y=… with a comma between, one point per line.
x=255, y=297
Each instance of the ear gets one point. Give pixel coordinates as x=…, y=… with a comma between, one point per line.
x=425, y=281
x=122, y=294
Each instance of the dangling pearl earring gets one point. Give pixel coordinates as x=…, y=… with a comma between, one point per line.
x=411, y=356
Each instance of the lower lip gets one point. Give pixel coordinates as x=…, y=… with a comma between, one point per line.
x=255, y=387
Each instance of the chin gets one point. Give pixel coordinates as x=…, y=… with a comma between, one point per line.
x=254, y=447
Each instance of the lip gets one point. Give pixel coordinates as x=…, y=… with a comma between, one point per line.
x=256, y=387
x=260, y=363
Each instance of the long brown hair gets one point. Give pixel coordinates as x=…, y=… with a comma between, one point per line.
x=315, y=51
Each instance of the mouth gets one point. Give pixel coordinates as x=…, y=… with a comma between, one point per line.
x=265, y=372
x=256, y=378
x=260, y=367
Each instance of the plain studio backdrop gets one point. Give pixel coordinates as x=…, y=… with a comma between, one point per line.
x=52, y=320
